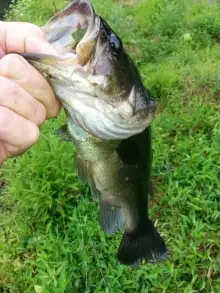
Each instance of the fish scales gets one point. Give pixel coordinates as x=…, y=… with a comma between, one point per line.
x=109, y=114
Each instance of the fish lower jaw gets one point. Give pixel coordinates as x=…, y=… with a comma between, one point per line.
x=98, y=124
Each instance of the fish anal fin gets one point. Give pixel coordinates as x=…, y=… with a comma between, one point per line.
x=111, y=217
x=142, y=243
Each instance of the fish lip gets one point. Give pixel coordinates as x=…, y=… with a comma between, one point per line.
x=73, y=8
x=91, y=16
x=77, y=15
x=128, y=127
x=109, y=129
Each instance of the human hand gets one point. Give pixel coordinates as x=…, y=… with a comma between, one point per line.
x=26, y=99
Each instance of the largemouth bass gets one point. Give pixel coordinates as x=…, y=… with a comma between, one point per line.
x=109, y=113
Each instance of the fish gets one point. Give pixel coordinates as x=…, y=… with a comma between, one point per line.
x=109, y=114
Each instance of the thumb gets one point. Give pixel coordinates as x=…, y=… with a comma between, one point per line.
x=41, y=46
x=20, y=37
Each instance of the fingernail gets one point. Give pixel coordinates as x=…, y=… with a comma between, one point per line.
x=36, y=45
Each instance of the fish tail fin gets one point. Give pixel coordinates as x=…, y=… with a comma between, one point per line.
x=142, y=243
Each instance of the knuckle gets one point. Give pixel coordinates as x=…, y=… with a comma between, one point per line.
x=40, y=83
x=13, y=65
x=33, y=136
x=30, y=140
x=13, y=89
x=30, y=29
x=7, y=89
x=37, y=31
x=4, y=117
x=50, y=102
x=40, y=114
x=5, y=63
x=2, y=91
x=55, y=110
x=26, y=132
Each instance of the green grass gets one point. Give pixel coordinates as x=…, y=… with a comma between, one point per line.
x=50, y=241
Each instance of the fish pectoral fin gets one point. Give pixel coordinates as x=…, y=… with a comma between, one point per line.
x=63, y=133
x=84, y=171
x=82, y=168
x=110, y=217
x=96, y=195
x=143, y=243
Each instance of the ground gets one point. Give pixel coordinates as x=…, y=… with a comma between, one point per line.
x=50, y=241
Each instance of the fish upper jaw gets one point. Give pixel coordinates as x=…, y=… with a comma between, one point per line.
x=79, y=14
x=86, y=107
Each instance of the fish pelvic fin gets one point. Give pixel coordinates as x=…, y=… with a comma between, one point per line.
x=111, y=218
x=63, y=133
x=84, y=171
x=144, y=243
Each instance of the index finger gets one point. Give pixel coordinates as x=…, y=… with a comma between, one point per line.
x=21, y=37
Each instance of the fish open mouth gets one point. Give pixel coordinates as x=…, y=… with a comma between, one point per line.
x=75, y=33
x=75, y=30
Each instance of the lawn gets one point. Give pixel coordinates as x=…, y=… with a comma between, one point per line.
x=50, y=240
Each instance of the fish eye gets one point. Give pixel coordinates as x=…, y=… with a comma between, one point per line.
x=115, y=44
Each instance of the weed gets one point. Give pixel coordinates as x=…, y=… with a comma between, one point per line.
x=50, y=241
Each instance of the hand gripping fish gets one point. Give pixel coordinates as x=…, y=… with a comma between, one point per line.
x=108, y=119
